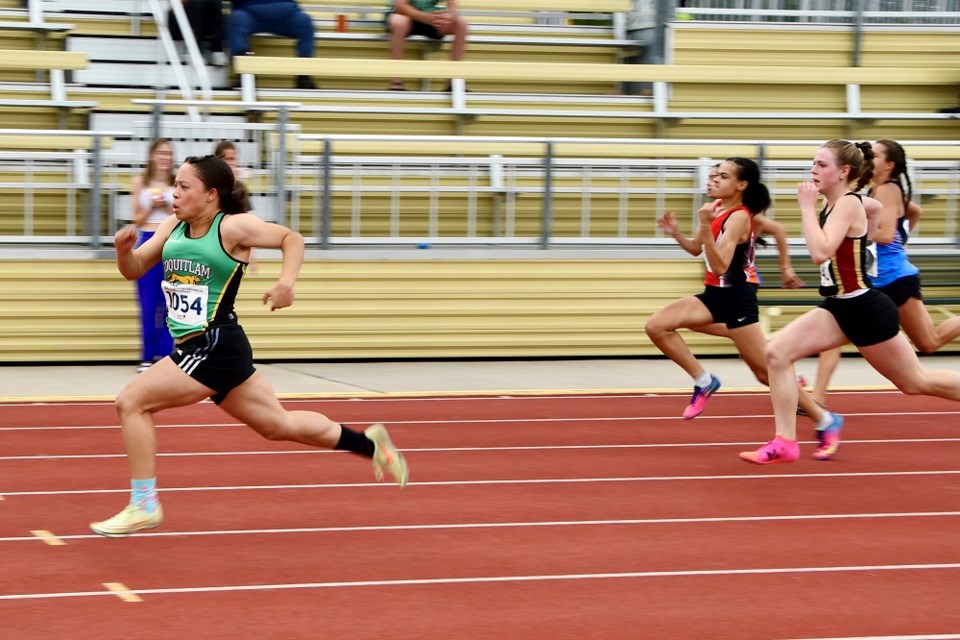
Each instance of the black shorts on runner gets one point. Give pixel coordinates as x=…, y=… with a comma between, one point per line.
x=902, y=289
x=734, y=306
x=220, y=358
x=867, y=319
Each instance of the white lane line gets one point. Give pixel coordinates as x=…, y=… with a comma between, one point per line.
x=510, y=525
x=492, y=579
x=482, y=395
x=936, y=636
x=567, y=447
x=497, y=421
x=462, y=483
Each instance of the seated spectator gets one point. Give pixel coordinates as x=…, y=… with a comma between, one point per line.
x=227, y=151
x=206, y=22
x=279, y=17
x=424, y=18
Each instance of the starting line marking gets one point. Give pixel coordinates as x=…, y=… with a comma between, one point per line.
x=121, y=591
x=48, y=537
x=119, y=588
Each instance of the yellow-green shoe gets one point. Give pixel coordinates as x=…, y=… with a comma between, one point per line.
x=386, y=456
x=128, y=521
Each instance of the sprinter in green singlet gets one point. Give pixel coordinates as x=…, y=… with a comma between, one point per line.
x=204, y=248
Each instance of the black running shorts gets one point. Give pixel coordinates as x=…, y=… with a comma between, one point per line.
x=220, y=358
x=902, y=289
x=734, y=306
x=867, y=319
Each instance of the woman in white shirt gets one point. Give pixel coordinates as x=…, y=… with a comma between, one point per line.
x=152, y=198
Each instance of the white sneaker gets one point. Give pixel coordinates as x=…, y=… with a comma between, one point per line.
x=128, y=521
x=386, y=456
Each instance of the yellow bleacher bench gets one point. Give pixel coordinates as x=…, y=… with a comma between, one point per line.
x=38, y=27
x=526, y=72
x=18, y=59
x=27, y=142
x=591, y=6
x=660, y=75
x=54, y=62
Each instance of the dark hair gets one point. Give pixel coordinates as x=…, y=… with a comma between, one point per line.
x=241, y=196
x=898, y=157
x=214, y=173
x=856, y=155
x=223, y=145
x=756, y=197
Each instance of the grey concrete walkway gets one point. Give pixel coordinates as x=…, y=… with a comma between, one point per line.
x=52, y=382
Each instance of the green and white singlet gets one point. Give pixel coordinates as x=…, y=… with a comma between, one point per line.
x=200, y=280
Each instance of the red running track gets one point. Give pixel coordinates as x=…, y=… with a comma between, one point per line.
x=599, y=516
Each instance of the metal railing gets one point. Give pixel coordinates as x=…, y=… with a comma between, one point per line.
x=640, y=188
x=902, y=12
x=534, y=192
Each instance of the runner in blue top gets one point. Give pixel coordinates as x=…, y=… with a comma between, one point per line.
x=204, y=247
x=896, y=276
x=891, y=221
x=852, y=311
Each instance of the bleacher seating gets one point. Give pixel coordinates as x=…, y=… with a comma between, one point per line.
x=831, y=93
x=33, y=71
x=720, y=83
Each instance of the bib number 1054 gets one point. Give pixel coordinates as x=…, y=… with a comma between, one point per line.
x=186, y=303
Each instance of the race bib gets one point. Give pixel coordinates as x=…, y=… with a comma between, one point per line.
x=870, y=258
x=826, y=277
x=186, y=303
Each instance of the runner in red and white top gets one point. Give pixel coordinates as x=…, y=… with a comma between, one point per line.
x=726, y=236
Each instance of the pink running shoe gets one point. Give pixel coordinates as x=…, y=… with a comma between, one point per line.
x=775, y=451
x=698, y=402
x=829, y=438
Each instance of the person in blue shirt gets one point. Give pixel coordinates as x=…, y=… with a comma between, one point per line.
x=279, y=17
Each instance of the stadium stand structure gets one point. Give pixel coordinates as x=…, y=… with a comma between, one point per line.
x=389, y=299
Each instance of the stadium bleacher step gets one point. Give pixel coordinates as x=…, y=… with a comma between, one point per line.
x=119, y=61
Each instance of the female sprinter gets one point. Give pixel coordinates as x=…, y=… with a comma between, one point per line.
x=894, y=216
x=851, y=310
x=727, y=230
x=204, y=248
x=896, y=277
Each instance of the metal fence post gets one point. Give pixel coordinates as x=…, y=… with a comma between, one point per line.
x=546, y=223
x=282, y=119
x=857, y=36
x=326, y=178
x=95, y=189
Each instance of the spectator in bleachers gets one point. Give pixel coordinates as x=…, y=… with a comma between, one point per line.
x=426, y=18
x=206, y=23
x=227, y=151
x=279, y=17
x=152, y=198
